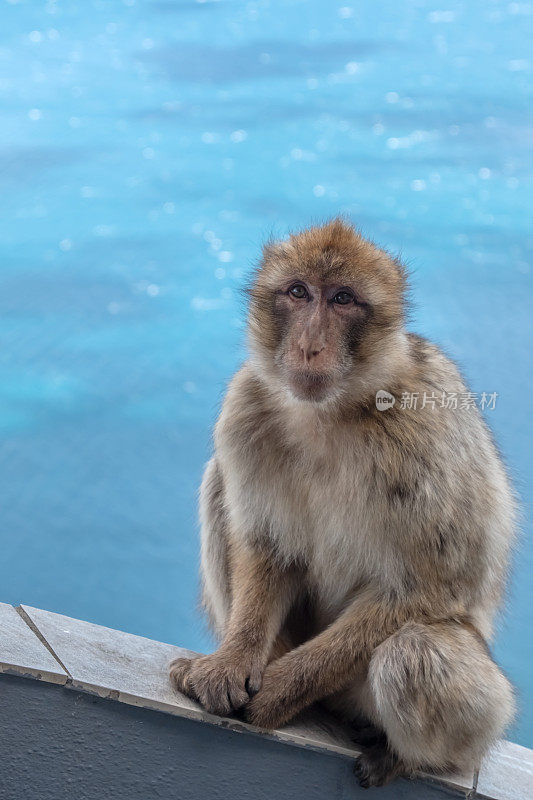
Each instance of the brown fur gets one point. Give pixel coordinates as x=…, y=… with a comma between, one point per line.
x=349, y=555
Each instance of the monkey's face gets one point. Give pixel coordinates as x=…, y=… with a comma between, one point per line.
x=322, y=305
x=321, y=324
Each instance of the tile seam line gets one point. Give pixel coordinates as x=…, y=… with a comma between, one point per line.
x=33, y=627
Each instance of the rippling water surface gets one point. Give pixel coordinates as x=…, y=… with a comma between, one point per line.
x=146, y=151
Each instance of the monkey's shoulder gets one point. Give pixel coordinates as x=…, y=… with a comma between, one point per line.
x=248, y=415
x=432, y=366
x=245, y=395
x=434, y=407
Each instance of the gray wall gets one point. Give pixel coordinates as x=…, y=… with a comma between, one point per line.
x=60, y=744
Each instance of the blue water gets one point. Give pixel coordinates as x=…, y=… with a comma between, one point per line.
x=146, y=151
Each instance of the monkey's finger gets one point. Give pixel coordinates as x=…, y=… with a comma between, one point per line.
x=253, y=682
x=180, y=670
x=238, y=695
x=359, y=768
x=215, y=699
x=361, y=772
x=260, y=716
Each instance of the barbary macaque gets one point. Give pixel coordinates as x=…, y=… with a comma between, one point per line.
x=352, y=554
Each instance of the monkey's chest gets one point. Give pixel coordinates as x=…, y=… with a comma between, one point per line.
x=342, y=548
x=320, y=515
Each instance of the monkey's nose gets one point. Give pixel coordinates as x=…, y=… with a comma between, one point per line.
x=310, y=351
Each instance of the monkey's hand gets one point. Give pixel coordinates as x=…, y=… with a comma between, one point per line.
x=222, y=682
x=279, y=699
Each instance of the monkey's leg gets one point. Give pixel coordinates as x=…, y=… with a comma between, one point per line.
x=378, y=763
x=326, y=663
x=445, y=656
x=261, y=594
x=439, y=697
x=215, y=565
x=355, y=705
x=433, y=689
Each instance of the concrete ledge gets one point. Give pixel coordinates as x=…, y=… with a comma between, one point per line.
x=507, y=774
x=107, y=670
x=22, y=653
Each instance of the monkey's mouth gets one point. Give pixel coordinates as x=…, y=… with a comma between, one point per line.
x=314, y=386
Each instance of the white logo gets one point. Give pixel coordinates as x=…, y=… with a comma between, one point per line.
x=384, y=400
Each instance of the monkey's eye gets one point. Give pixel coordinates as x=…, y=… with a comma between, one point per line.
x=298, y=291
x=343, y=297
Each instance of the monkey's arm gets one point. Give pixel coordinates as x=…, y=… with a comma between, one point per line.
x=324, y=664
x=262, y=593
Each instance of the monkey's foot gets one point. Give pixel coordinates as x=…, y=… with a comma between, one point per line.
x=377, y=766
x=278, y=700
x=365, y=734
x=222, y=682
